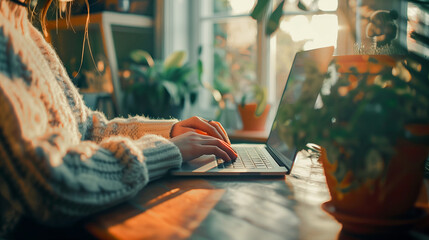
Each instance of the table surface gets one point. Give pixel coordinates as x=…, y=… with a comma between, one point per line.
x=286, y=207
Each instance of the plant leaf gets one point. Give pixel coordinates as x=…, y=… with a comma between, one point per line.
x=259, y=9
x=301, y=6
x=200, y=71
x=176, y=59
x=173, y=91
x=261, y=101
x=274, y=20
x=139, y=56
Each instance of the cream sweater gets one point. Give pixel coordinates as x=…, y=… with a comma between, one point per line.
x=60, y=161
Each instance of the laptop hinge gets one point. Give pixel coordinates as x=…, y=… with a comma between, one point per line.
x=277, y=159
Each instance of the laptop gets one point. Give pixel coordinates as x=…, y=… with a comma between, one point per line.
x=276, y=156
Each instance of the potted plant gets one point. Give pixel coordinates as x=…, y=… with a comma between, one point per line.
x=372, y=122
x=253, y=108
x=159, y=88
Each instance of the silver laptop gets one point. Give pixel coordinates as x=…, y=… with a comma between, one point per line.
x=275, y=157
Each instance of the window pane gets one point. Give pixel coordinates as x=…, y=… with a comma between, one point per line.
x=298, y=33
x=418, y=22
x=226, y=7
x=230, y=53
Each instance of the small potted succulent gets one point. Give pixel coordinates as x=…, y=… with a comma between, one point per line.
x=372, y=123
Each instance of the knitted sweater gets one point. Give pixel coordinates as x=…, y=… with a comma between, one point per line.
x=60, y=161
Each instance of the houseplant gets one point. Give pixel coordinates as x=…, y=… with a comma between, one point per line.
x=373, y=126
x=159, y=88
x=253, y=108
x=250, y=101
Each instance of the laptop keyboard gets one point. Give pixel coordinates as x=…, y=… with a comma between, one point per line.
x=248, y=157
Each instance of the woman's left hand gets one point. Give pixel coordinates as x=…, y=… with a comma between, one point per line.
x=201, y=126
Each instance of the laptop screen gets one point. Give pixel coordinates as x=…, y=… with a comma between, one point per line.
x=304, y=77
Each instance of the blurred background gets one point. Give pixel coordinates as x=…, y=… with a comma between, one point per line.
x=178, y=58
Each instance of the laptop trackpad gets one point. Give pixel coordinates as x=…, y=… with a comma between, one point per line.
x=200, y=164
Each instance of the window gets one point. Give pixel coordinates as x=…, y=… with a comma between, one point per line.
x=235, y=48
x=228, y=37
x=231, y=40
x=417, y=29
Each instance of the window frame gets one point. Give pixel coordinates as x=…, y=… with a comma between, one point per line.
x=265, y=45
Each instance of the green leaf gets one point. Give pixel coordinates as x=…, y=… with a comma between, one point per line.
x=372, y=60
x=261, y=101
x=138, y=70
x=140, y=56
x=243, y=101
x=200, y=71
x=222, y=86
x=274, y=20
x=173, y=91
x=259, y=9
x=301, y=6
x=176, y=59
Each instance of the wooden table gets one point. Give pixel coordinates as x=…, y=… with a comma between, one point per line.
x=232, y=208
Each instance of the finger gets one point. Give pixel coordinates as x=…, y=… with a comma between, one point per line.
x=221, y=130
x=182, y=130
x=219, y=153
x=201, y=132
x=203, y=125
x=222, y=145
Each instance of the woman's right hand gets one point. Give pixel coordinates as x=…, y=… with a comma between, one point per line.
x=193, y=145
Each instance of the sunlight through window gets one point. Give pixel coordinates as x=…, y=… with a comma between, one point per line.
x=240, y=6
x=328, y=5
x=318, y=30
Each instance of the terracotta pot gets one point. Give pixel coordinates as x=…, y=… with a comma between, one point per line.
x=394, y=197
x=250, y=121
x=362, y=63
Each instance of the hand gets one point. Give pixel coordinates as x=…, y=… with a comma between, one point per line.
x=202, y=126
x=193, y=145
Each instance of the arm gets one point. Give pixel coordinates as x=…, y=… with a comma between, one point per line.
x=50, y=175
x=133, y=127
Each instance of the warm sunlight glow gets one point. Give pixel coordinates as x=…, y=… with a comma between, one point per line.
x=298, y=28
x=418, y=20
x=126, y=73
x=328, y=5
x=164, y=218
x=241, y=33
x=100, y=65
x=325, y=29
x=319, y=31
x=307, y=2
x=241, y=6
x=165, y=195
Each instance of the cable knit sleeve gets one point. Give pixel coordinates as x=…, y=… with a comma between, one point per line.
x=52, y=177
x=133, y=127
x=48, y=170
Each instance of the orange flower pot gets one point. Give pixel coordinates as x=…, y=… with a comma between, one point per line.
x=362, y=63
x=370, y=65
x=391, y=197
x=250, y=121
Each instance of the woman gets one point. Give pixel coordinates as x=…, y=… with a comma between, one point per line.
x=60, y=161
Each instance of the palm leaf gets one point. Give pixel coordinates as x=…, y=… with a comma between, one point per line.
x=259, y=9
x=176, y=59
x=173, y=91
x=274, y=20
x=140, y=56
